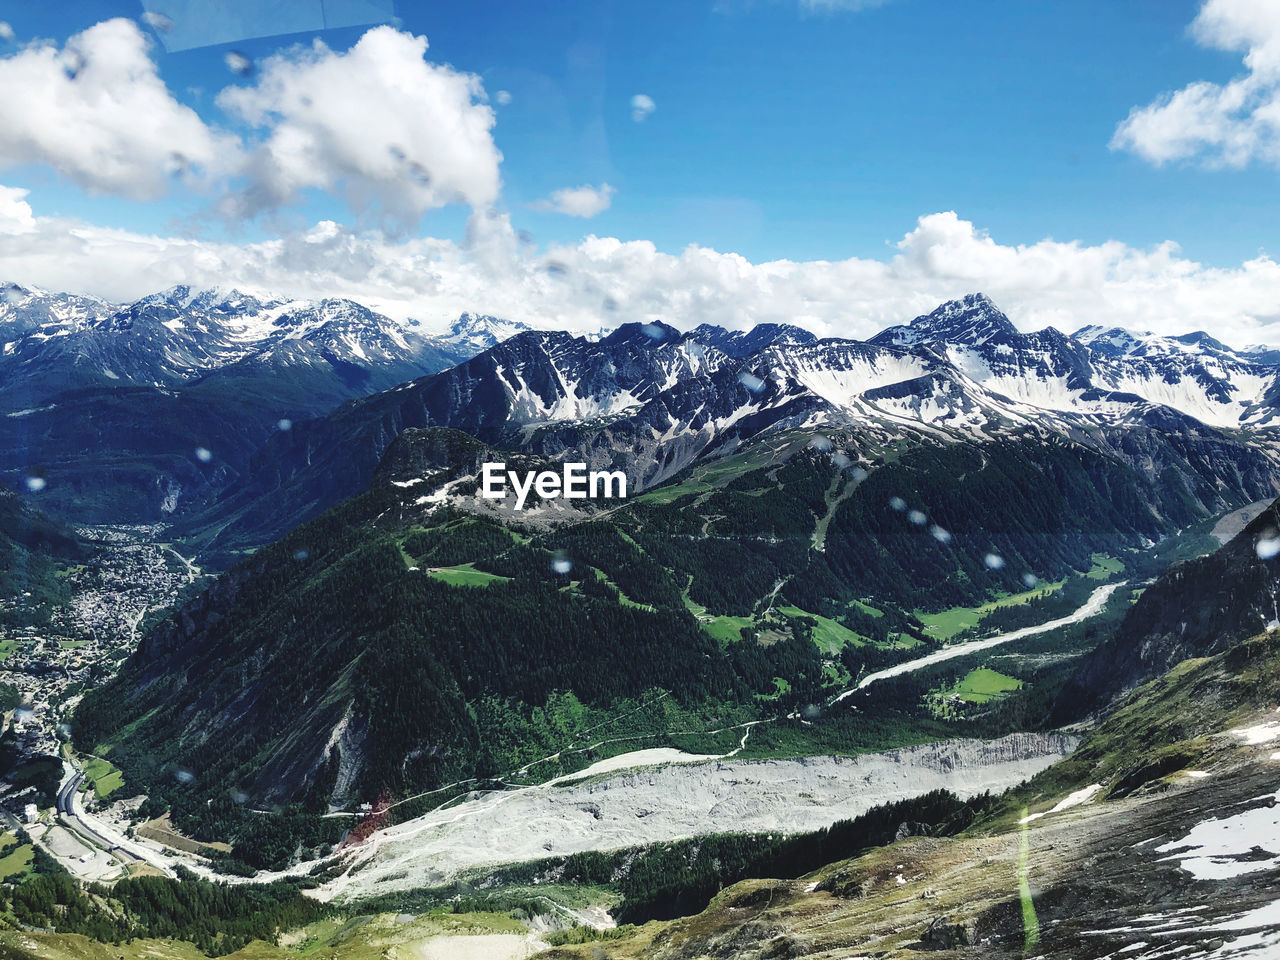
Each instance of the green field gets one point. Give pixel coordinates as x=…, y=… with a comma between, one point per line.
x=868, y=609
x=982, y=685
x=464, y=575
x=830, y=636
x=18, y=860
x=727, y=629
x=948, y=623
x=7, y=648
x=1104, y=567
x=103, y=775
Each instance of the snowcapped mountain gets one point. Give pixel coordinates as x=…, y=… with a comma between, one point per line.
x=474, y=333
x=1099, y=374
x=653, y=401
x=743, y=343
x=54, y=342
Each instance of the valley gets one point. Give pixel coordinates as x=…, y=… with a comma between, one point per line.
x=863, y=597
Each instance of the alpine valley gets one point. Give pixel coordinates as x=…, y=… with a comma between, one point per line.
x=959, y=639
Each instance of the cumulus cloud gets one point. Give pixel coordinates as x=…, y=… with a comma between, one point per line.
x=6, y=31
x=98, y=113
x=15, y=212
x=641, y=106
x=602, y=280
x=584, y=201
x=395, y=133
x=1229, y=124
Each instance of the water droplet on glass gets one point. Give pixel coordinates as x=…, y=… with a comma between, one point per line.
x=555, y=268
x=203, y=454
x=284, y=423
x=917, y=517
x=240, y=797
x=939, y=534
x=898, y=503
x=560, y=562
x=859, y=474
x=1268, y=545
x=820, y=443
x=36, y=484
x=503, y=97
x=993, y=561
x=300, y=555
x=751, y=381
x=184, y=776
x=1030, y=579
x=157, y=21
x=842, y=461
x=810, y=711
x=654, y=332
x=238, y=63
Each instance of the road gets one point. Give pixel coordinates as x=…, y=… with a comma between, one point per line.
x=72, y=815
x=1091, y=607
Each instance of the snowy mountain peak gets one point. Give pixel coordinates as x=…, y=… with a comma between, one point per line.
x=742, y=343
x=1109, y=341
x=483, y=331
x=972, y=320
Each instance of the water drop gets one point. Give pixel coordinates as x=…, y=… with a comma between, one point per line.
x=560, y=562
x=993, y=561
x=36, y=484
x=898, y=503
x=204, y=454
x=917, y=517
x=238, y=63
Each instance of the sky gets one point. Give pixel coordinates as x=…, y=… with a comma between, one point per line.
x=843, y=164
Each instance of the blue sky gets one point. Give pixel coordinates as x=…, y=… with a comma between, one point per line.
x=782, y=132
x=1083, y=161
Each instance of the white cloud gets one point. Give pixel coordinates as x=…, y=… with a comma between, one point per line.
x=98, y=113
x=641, y=106
x=584, y=201
x=397, y=134
x=15, y=212
x=605, y=280
x=6, y=31
x=502, y=97
x=1229, y=124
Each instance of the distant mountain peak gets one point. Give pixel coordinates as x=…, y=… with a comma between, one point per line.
x=744, y=343
x=971, y=320
x=654, y=333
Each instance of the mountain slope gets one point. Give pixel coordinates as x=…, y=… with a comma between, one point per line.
x=416, y=614
x=652, y=401
x=1200, y=608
